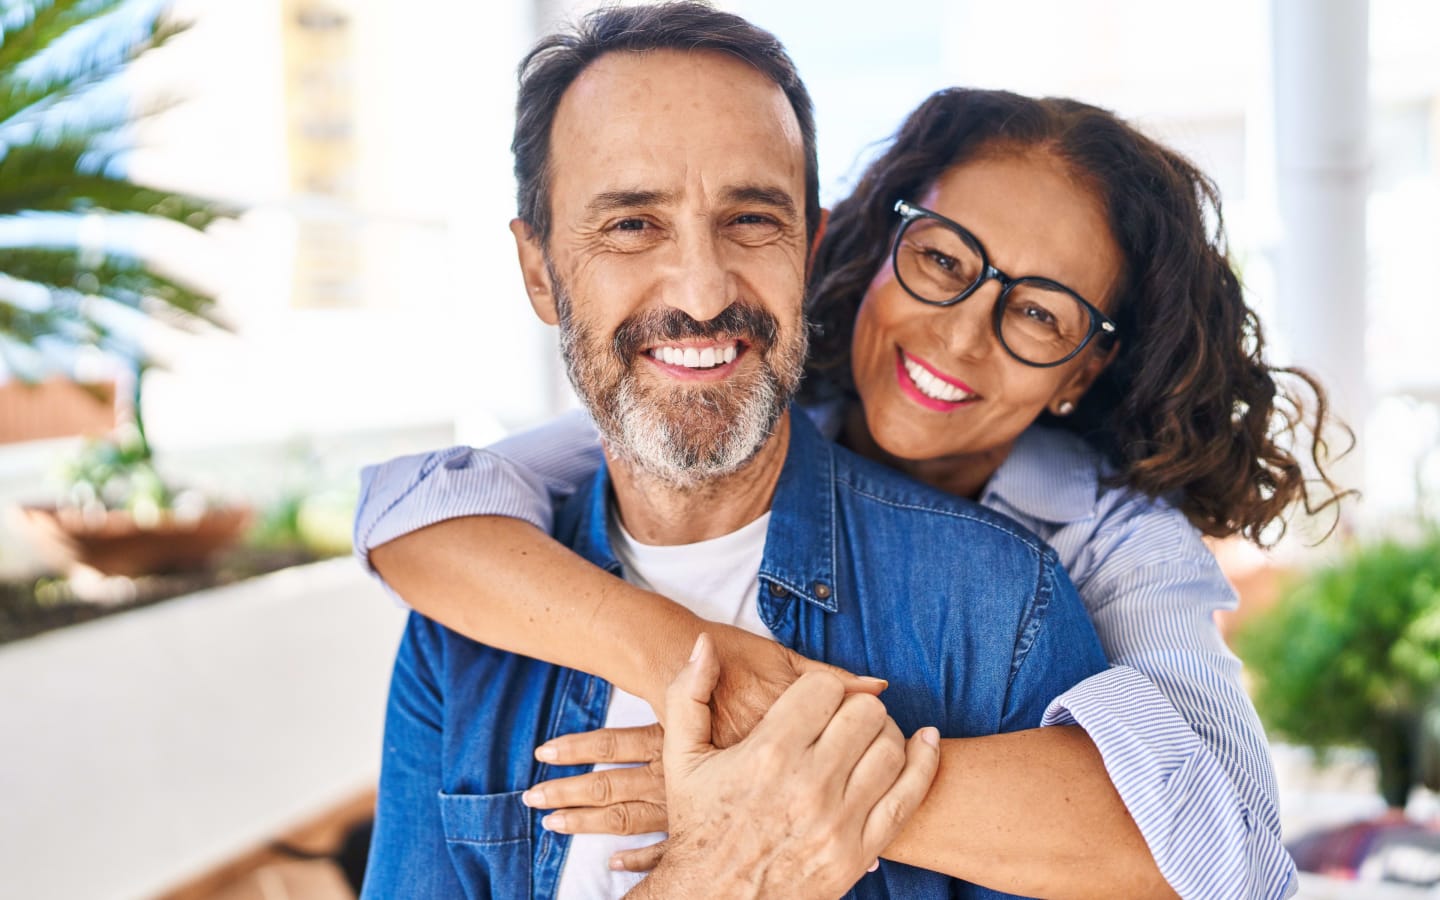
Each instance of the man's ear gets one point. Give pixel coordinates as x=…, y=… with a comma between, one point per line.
x=537, y=276
x=815, y=241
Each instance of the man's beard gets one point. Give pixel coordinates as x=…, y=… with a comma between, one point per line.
x=683, y=435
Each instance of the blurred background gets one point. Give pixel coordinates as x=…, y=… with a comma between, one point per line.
x=240, y=259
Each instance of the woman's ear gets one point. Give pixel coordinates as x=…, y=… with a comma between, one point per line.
x=1074, y=387
x=537, y=275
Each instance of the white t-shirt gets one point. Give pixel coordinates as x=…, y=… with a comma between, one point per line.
x=716, y=579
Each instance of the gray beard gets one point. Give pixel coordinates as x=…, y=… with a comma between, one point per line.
x=686, y=437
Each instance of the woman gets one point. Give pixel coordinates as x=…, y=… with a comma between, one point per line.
x=1020, y=303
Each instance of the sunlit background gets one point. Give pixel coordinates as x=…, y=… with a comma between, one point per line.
x=374, y=308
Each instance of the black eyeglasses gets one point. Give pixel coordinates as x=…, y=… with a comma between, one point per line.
x=1040, y=322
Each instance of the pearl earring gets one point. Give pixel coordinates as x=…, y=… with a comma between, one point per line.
x=1065, y=409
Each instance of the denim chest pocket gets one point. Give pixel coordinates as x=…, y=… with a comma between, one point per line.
x=488, y=836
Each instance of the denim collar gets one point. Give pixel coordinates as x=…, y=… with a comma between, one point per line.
x=1050, y=476
x=800, y=541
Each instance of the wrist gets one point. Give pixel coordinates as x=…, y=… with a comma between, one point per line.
x=679, y=878
x=660, y=649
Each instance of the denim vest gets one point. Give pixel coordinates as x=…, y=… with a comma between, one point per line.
x=967, y=614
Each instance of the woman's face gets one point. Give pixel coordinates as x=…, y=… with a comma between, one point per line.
x=1033, y=218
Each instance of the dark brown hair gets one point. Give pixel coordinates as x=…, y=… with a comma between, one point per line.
x=554, y=63
x=1188, y=410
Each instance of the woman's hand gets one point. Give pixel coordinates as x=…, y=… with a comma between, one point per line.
x=612, y=801
x=754, y=672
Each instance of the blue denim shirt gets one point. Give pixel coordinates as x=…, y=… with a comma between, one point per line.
x=967, y=614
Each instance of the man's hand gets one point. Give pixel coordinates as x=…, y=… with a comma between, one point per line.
x=754, y=672
x=801, y=807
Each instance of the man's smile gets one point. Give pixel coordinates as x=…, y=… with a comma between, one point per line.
x=697, y=360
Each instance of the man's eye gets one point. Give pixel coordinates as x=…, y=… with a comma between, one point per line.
x=753, y=219
x=631, y=225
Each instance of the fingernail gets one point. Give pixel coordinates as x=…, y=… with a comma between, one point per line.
x=546, y=753
x=695, y=651
x=873, y=866
x=873, y=680
x=616, y=864
x=553, y=822
x=533, y=798
x=930, y=735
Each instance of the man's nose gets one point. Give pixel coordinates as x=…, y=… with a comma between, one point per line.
x=700, y=282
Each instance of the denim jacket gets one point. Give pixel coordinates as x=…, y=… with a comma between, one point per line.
x=967, y=614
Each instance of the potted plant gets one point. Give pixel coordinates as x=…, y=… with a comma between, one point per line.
x=60, y=159
x=1350, y=655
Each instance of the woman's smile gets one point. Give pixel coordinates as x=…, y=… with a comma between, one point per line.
x=927, y=386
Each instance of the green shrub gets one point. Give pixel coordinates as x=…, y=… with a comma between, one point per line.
x=1350, y=654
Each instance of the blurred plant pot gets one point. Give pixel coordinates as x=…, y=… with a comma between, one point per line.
x=55, y=408
x=1396, y=745
x=113, y=543
x=1430, y=744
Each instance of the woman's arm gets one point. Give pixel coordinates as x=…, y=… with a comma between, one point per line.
x=1178, y=733
x=457, y=535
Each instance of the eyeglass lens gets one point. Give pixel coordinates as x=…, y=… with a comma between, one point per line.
x=1040, y=322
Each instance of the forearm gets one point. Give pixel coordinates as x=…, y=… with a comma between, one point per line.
x=504, y=583
x=1031, y=813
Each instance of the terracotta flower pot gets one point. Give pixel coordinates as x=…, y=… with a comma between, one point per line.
x=115, y=544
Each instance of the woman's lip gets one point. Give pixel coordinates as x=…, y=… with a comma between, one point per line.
x=911, y=390
x=954, y=382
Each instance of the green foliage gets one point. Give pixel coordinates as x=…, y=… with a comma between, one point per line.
x=58, y=155
x=1351, y=650
x=116, y=473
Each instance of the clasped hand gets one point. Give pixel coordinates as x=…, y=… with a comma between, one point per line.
x=821, y=775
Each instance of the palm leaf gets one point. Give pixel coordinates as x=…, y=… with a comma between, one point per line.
x=68, y=175
x=24, y=99
x=126, y=280
x=25, y=37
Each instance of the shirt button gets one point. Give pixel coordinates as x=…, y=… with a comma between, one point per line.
x=822, y=590
x=777, y=590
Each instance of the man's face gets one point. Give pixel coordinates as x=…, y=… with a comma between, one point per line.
x=676, y=262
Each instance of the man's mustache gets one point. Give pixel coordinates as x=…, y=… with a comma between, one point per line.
x=742, y=321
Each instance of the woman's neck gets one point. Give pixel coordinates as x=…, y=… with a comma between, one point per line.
x=963, y=475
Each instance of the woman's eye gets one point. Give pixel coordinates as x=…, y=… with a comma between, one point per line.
x=948, y=263
x=1040, y=314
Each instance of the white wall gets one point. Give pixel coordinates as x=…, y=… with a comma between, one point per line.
x=141, y=750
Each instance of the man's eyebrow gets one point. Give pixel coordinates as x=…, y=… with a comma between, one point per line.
x=773, y=197
x=610, y=201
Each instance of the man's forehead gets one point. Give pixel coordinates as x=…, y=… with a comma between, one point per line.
x=665, y=120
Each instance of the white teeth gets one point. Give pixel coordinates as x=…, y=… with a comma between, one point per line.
x=691, y=358
x=933, y=387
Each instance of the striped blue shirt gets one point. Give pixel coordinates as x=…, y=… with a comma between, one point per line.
x=1178, y=735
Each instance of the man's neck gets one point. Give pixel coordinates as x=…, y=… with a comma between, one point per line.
x=655, y=512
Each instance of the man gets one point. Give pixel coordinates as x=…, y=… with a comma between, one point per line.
x=668, y=194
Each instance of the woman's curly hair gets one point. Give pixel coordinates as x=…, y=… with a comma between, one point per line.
x=1188, y=409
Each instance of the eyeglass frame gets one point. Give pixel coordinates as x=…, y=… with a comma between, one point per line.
x=1100, y=324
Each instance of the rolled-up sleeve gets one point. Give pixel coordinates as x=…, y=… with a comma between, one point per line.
x=1178, y=734
x=520, y=477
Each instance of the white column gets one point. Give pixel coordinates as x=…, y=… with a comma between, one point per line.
x=1321, y=95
